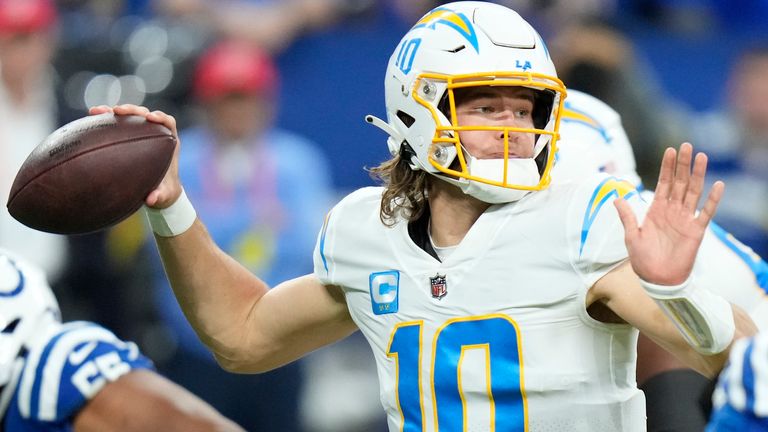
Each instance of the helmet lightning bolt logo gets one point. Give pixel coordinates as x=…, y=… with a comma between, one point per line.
x=609, y=189
x=455, y=20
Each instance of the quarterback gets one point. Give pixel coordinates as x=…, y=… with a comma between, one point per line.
x=491, y=300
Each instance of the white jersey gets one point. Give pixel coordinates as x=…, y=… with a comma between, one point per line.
x=593, y=139
x=731, y=269
x=497, y=337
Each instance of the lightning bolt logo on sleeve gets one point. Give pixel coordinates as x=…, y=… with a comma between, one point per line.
x=608, y=190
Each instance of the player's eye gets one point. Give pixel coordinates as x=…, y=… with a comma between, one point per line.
x=483, y=109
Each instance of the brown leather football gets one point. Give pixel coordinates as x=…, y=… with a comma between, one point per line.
x=91, y=173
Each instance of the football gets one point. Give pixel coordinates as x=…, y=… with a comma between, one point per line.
x=91, y=174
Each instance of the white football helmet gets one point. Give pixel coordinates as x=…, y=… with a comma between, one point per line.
x=468, y=44
x=592, y=139
x=27, y=308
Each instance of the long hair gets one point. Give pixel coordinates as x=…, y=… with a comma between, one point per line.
x=405, y=190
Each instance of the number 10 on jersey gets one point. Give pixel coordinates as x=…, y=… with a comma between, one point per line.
x=496, y=339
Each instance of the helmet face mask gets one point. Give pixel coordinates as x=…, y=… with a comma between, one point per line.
x=448, y=154
x=459, y=46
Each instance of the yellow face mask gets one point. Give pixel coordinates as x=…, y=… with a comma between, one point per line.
x=449, y=155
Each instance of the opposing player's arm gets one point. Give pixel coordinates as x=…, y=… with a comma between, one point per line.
x=621, y=291
x=141, y=401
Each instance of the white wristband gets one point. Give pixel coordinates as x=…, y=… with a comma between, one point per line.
x=173, y=220
x=659, y=292
x=703, y=318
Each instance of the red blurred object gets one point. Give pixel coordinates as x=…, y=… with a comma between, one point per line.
x=234, y=67
x=26, y=16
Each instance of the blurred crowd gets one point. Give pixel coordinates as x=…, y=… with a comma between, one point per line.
x=270, y=97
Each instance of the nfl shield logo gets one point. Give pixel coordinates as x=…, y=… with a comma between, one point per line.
x=439, y=286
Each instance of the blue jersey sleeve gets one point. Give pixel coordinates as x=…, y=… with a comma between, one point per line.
x=740, y=400
x=59, y=377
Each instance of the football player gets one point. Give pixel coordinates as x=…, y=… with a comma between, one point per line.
x=593, y=138
x=490, y=300
x=79, y=376
x=741, y=397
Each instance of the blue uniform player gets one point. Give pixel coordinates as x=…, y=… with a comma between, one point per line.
x=79, y=376
x=741, y=397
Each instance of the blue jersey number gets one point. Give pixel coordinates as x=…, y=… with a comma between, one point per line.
x=496, y=336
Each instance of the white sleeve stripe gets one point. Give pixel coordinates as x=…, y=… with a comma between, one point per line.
x=737, y=395
x=30, y=372
x=54, y=364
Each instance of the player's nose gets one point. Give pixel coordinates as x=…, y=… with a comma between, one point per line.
x=517, y=143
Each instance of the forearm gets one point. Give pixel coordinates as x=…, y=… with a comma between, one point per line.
x=215, y=292
x=145, y=401
x=708, y=322
x=707, y=365
x=745, y=326
x=622, y=292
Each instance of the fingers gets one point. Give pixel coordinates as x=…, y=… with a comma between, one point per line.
x=679, y=183
x=696, y=183
x=627, y=216
x=170, y=186
x=682, y=173
x=152, y=198
x=100, y=109
x=710, y=206
x=676, y=182
x=160, y=117
x=129, y=109
x=666, y=174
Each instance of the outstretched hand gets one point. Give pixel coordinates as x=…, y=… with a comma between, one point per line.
x=663, y=249
x=169, y=188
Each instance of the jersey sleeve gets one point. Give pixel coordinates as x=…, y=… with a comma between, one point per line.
x=338, y=243
x=321, y=256
x=734, y=271
x=593, y=138
x=596, y=232
x=77, y=361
